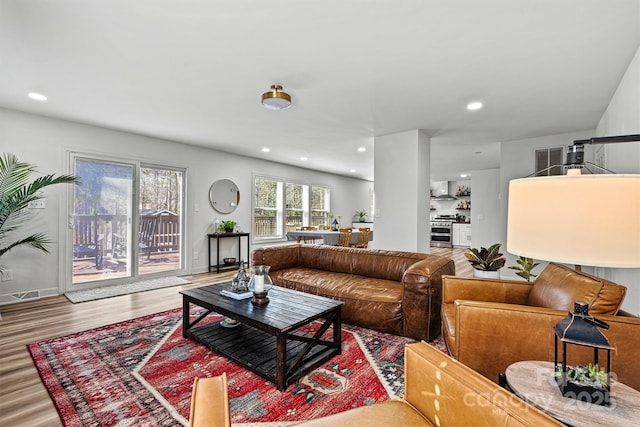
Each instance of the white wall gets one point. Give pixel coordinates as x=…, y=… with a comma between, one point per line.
x=622, y=117
x=485, y=208
x=43, y=141
x=401, y=176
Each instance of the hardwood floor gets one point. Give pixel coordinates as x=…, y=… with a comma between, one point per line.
x=23, y=399
x=463, y=267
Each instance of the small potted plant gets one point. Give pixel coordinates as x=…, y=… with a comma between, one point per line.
x=361, y=216
x=524, y=267
x=584, y=382
x=228, y=226
x=486, y=261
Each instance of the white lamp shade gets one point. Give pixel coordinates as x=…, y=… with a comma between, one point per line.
x=583, y=219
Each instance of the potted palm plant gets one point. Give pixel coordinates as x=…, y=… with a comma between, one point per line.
x=16, y=194
x=486, y=261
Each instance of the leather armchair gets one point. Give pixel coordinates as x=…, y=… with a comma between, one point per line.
x=489, y=324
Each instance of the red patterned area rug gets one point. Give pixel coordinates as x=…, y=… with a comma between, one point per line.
x=140, y=373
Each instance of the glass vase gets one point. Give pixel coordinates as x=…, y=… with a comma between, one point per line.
x=260, y=284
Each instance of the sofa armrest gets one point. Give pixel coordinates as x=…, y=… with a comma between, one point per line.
x=278, y=257
x=494, y=290
x=422, y=296
x=491, y=336
x=210, y=402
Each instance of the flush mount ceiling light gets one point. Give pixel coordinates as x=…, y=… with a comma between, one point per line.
x=276, y=99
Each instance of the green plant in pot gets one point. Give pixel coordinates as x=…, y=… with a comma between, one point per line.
x=228, y=225
x=361, y=216
x=486, y=261
x=524, y=267
x=16, y=193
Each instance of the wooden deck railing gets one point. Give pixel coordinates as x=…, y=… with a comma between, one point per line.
x=95, y=236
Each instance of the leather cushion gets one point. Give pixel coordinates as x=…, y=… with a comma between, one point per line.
x=368, y=302
x=558, y=287
x=389, y=413
x=609, y=299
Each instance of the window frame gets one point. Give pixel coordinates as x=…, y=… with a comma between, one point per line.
x=281, y=207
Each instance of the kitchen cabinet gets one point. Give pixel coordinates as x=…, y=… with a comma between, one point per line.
x=461, y=235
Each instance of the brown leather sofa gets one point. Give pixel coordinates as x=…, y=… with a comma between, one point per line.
x=439, y=391
x=389, y=291
x=489, y=324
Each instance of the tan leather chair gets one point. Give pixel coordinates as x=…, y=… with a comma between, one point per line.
x=344, y=239
x=439, y=391
x=210, y=402
x=363, y=238
x=489, y=324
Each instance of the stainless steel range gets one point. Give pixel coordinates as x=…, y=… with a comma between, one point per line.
x=441, y=227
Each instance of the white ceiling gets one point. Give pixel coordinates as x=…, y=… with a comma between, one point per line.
x=193, y=71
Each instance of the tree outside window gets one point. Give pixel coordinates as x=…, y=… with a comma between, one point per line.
x=267, y=208
x=281, y=206
x=320, y=206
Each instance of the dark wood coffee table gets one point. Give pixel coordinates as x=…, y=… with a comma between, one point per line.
x=268, y=340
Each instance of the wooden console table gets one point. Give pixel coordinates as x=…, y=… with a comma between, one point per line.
x=217, y=236
x=533, y=382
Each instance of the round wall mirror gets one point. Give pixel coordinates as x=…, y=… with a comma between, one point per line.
x=224, y=196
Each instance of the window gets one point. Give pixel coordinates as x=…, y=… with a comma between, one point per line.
x=549, y=161
x=280, y=206
x=320, y=206
x=267, y=208
x=296, y=205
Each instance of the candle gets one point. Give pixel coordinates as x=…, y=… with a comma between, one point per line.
x=258, y=284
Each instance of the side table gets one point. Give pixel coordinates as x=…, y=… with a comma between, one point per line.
x=533, y=381
x=217, y=237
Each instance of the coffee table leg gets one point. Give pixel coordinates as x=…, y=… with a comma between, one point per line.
x=185, y=316
x=281, y=359
x=337, y=331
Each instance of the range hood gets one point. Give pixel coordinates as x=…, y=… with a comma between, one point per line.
x=441, y=191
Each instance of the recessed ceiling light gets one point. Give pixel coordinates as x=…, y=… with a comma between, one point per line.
x=266, y=150
x=37, y=96
x=473, y=106
x=304, y=159
x=463, y=175
x=352, y=170
x=361, y=149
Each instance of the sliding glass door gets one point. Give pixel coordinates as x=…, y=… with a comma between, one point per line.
x=101, y=220
x=160, y=220
x=118, y=233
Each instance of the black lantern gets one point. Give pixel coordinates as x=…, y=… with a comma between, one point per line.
x=589, y=383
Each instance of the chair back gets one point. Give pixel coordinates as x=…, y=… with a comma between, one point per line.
x=148, y=227
x=344, y=238
x=363, y=237
x=307, y=239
